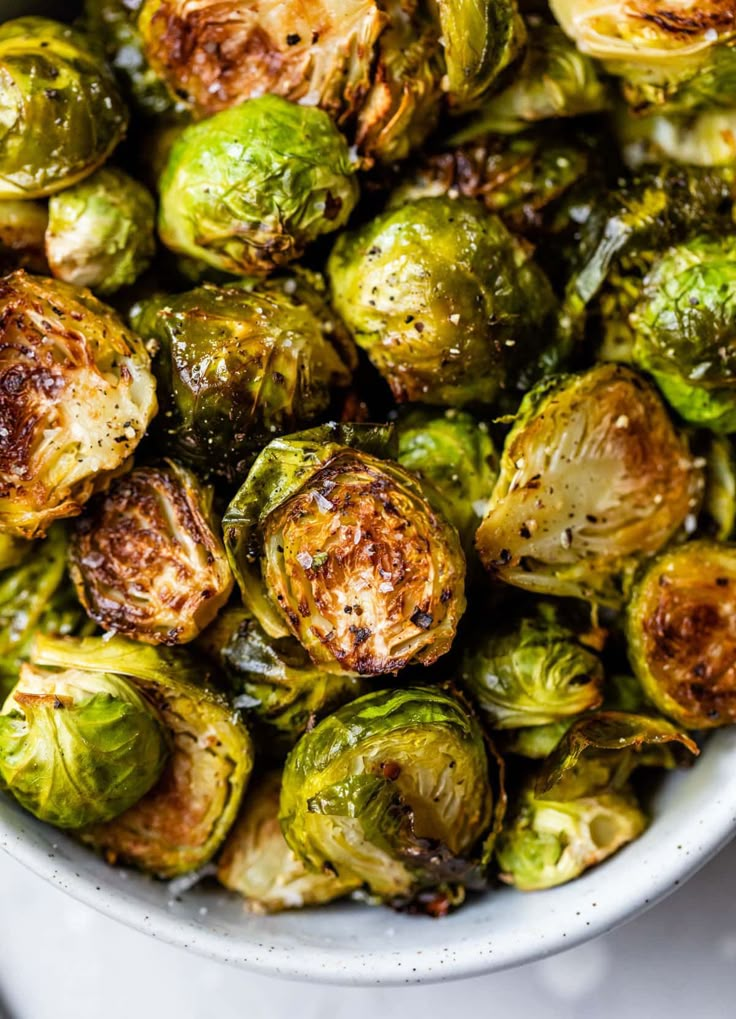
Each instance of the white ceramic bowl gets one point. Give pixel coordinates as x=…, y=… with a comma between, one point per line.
x=694, y=815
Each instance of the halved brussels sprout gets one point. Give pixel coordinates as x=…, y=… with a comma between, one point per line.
x=273, y=680
x=553, y=840
x=376, y=68
x=532, y=671
x=113, y=24
x=445, y=302
x=580, y=809
x=660, y=51
x=554, y=80
x=392, y=790
x=341, y=548
x=257, y=863
x=453, y=454
x=76, y=396
x=685, y=330
x=681, y=627
x=214, y=54
x=101, y=232
x=78, y=748
x=594, y=478
x=704, y=138
x=62, y=114
x=23, y=236
x=247, y=190
x=237, y=367
x=516, y=177
x=179, y=825
x=481, y=38
x=146, y=559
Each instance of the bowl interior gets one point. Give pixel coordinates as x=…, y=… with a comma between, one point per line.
x=694, y=814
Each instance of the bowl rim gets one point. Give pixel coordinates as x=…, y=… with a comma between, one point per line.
x=688, y=844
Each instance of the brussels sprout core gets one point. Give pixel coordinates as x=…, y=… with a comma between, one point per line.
x=367, y=575
x=682, y=634
x=391, y=790
x=62, y=114
x=78, y=748
x=76, y=396
x=593, y=478
x=146, y=560
x=247, y=190
x=100, y=232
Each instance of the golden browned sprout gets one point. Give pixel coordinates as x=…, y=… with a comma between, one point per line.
x=146, y=559
x=76, y=396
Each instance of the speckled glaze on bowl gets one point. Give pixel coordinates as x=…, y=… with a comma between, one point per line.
x=694, y=815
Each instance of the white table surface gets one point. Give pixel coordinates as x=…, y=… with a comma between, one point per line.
x=60, y=959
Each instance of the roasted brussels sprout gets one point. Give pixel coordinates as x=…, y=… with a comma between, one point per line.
x=78, y=748
x=554, y=838
x=273, y=680
x=113, y=24
x=481, y=39
x=23, y=236
x=100, y=232
x=580, y=809
x=146, y=560
x=376, y=68
x=533, y=671
x=537, y=741
x=685, y=330
x=445, y=302
x=247, y=190
x=179, y=825
x=555, y=80
x=76, y=396
x=340, y=548
x=594, y=478
x=681, y=627
x=704, y=138
x=453, y=454
x=237, y=367
x=392, y=790
x=61, y=112
x=516, y=177
x=663, y=53
x=257, y=863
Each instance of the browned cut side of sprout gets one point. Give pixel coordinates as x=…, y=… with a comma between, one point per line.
x=146, y=560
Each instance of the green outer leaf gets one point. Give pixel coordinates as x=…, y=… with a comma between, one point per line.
x=609, y=731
